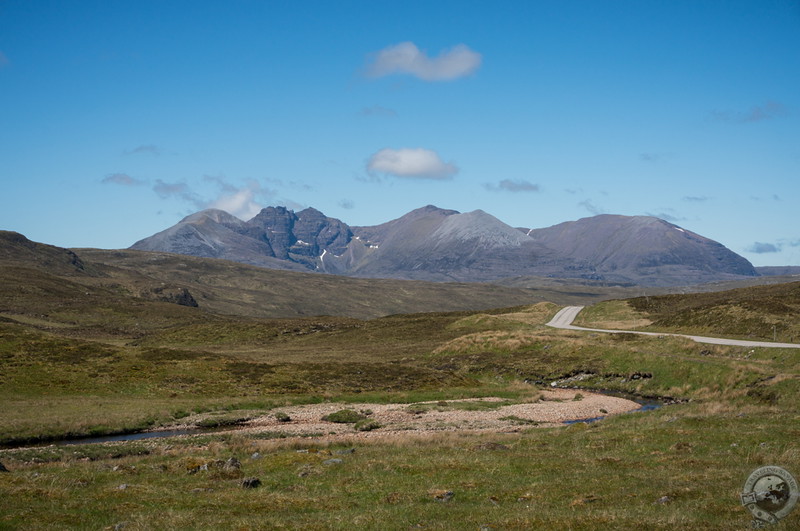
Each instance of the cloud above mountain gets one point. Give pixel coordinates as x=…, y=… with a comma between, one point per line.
x=513, y=186
x=762, y=248
x=406, y=58
x=590, y=207
x=667, y=214
x=777, y=247
x=178, y=190
x=241, y=202
x=411, y=163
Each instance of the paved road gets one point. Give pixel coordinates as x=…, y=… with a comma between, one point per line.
x=563, y=319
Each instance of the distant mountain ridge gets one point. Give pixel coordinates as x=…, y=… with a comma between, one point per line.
x=435, y=244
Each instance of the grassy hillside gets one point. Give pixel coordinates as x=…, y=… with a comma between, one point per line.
x=103, y=350
x=230, y=288
x=764, y=312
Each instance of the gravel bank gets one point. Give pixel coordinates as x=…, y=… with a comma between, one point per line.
x=554, y=407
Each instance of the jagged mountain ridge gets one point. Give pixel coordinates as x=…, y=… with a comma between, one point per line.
x=435, y=244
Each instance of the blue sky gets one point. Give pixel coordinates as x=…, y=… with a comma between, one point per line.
x=119, y=118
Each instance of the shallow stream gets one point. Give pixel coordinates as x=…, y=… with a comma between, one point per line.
x=647, y=404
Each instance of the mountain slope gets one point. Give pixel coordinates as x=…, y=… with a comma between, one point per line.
x=435, y=244
x=213, y=234
x=17, y=250
x=125, y=291
x=649, y=250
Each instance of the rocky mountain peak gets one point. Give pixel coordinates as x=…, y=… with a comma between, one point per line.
x=213, y=214
x=432, y=243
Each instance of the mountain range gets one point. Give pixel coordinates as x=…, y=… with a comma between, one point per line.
x=436, y=244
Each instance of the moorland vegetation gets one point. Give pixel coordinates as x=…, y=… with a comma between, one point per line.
x=91, y=346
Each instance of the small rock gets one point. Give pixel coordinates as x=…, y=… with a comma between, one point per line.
x=662, y=500
x=120, y=525
x=345, y=451
x=591, y=498
x=255, y=456
x=441, y=495
x=308, y=470
x=734, y=445
x=123, y=486
x=251, y=483
x=334, y=461
x=232, y=464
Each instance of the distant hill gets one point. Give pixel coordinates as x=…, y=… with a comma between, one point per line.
x=435, y=244
x=643, y=249
x=778, y=271
x=128, y=289
x=756, y=312
x=16, y=249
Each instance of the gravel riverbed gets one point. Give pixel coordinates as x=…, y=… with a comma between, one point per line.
x=553, y=407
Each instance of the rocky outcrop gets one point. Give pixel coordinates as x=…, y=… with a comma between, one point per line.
x=174, y=295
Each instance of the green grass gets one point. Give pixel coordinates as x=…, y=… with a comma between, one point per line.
x=92, y=353
x=766, y=313
x=606, y=475
x=612, y=315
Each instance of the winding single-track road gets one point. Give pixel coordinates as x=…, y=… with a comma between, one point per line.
x=563, y=319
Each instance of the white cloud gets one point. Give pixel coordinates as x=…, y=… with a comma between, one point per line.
x=240, y=202
x=244, y=202
x=415, y=163
x=513, y=186
x=406, y=58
